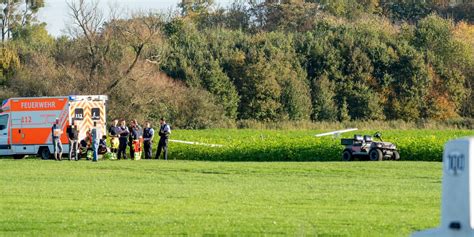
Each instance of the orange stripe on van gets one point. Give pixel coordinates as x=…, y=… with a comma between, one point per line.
x=34, y=136
x=38, y=104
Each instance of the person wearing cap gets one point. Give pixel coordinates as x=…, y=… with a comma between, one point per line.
x=164, y=133
x=56, y=132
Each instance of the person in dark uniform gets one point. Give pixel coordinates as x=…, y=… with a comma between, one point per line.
x=73, y=135
x=114, y=135
x=139, y=128
x=148, y=134
x=164, y=133
x=103, y=145
x=133, y=137
x=123, y=132
x=82, y=148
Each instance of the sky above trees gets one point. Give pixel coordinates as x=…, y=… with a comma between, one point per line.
x=55, y=12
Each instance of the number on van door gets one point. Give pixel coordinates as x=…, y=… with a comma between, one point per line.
x=79, y=114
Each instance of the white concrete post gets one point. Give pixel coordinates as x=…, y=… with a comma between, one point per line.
x=457, y=205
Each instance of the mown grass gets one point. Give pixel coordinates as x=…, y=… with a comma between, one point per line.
x=217, y=198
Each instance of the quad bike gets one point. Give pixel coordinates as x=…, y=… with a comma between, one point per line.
x=365, y=148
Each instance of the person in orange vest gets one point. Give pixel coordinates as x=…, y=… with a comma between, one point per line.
x=135, y=137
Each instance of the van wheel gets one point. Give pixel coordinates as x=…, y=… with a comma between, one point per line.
x=44, y=153
x=18, y=157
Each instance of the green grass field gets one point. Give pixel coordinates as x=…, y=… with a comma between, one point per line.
x=217, y=198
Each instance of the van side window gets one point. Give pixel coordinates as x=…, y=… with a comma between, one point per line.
x=3, y=121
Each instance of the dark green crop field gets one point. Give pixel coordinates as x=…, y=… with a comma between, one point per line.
x=217, y=198
x=302, y=145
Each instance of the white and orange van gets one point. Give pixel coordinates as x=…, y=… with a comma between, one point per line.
x=25, y=123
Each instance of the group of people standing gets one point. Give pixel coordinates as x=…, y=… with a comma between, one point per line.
x=121, y=136
x=134, y=135
x=92, y=142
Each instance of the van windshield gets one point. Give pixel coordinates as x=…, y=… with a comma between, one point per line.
x=3, y=121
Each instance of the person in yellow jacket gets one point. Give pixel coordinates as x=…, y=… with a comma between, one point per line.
x=114, y=133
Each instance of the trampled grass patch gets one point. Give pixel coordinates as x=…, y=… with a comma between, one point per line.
x=218, y=198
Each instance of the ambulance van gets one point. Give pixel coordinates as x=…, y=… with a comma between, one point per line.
x=26, y=123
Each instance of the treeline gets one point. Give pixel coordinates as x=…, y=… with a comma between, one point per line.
x=208, y=66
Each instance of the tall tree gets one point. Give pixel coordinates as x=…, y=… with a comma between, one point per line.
x=15, y=14
x=138, y=33
x=9, y=63
x=323, y=95
x=88, y=23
